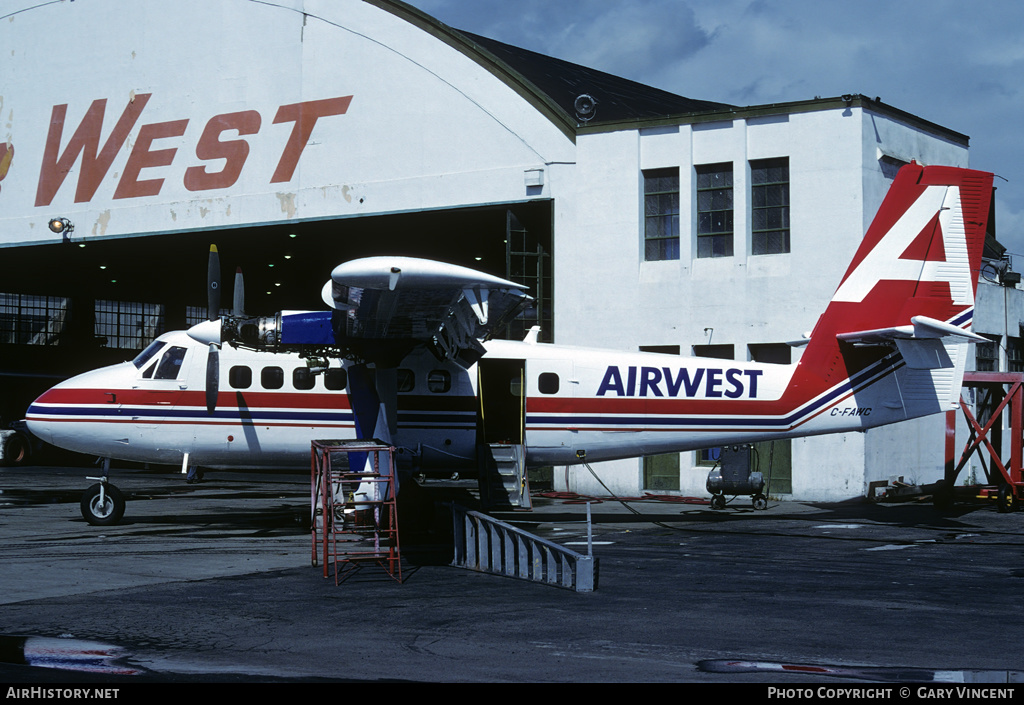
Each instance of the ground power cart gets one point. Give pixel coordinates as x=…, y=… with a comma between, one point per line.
x=733, y=476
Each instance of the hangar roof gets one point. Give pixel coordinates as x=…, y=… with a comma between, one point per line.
x=617, y=98
x=552, y=86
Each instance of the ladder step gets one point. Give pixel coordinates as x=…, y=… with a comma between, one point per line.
x=503, y=478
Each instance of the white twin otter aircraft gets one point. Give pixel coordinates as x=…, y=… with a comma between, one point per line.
x=404, y=355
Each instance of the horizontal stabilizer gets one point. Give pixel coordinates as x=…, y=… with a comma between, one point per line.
x=921, y=328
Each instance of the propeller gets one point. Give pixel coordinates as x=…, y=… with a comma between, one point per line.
x=213, y=314
x=210, y=331
x=212, y=377
x=213, y=285
x=238, y=307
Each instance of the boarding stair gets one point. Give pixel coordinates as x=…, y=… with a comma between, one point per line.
x=503, y=480
x=488, y=545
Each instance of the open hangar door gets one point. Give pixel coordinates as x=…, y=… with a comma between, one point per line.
x=66, y=308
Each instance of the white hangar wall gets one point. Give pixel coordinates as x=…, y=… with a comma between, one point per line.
x=235, y=112
x=836, y=185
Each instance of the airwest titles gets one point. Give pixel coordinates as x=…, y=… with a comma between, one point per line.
x=230, y=155
x=705, y=382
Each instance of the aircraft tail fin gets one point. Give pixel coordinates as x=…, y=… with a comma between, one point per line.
x=911, y=285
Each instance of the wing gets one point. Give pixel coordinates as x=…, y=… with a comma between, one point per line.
x=382, y=307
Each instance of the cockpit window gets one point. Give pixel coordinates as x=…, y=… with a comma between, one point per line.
x=146, y=355
x=170, y=363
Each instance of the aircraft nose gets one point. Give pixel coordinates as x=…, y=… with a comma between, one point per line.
x=36, y=420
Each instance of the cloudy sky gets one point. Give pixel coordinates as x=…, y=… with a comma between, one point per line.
x=955, y=63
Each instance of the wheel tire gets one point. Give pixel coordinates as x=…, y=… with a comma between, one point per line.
x=718, y=502
x=759, y=501
x=105, y=513
x=1007, y=499
x=16, y=450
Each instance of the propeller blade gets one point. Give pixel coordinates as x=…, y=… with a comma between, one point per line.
x=238, y=310
x=213, y=285
x=212, y=378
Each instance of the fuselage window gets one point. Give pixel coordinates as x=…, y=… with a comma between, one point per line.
x=143, y=357
x=335, y=379
x=547, y=383
x=302, y=378
x=439, y=381
x=406, y=380
x=170, y=363
x=240, y=377
x=272, y=378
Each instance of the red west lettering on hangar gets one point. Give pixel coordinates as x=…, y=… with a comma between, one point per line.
x=96, y=160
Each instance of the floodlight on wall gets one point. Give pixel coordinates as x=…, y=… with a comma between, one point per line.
x=585, y=106
x=62, y=226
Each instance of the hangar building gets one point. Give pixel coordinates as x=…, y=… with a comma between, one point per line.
x=297, y=134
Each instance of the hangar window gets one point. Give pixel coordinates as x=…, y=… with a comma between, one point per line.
x=406, y=380
x=240, y=377
x=170, y=363
x=272, y=378
x=714, y=210
x=1014, y=354
x=661, y=472
x=720, y=352
x=336, y=379
x=661, y=349
x=776, y=353
x=302, y=378
x=775, y=460
x=986, y=355
x=661, y=214
x=547, y=383
x=709, y=457
x=32, y=320
x=127, y=324
x=439, y=381
x=769, y=203
x=199, y=314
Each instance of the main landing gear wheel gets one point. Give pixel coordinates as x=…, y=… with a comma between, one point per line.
x=759, y=501
x=102, y=505
x=1007, y=499
x=15, y=450
x=718, y=501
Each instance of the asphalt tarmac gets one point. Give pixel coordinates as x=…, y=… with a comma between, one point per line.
x=213, y=583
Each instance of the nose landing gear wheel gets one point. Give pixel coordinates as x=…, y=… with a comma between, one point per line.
x=102, y=506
